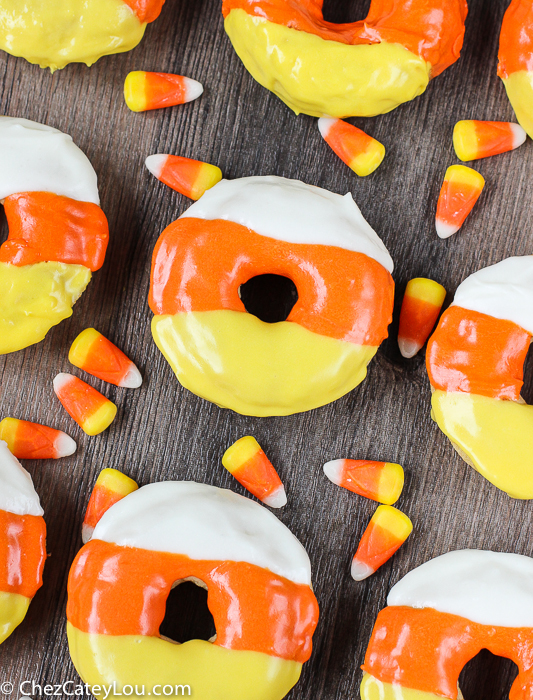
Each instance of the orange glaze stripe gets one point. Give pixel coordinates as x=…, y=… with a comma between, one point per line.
x=516, y=39
x=426, y=650
x=477, y=354
x=199, y=265
x=146, y=10
x=48, y=227
x=433, y=30
x=22, y=553
x=253, y=609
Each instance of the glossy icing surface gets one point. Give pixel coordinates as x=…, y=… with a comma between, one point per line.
x=17, y=494
x=13, y=609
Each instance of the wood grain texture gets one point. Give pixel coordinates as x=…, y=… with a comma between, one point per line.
x=164, y=432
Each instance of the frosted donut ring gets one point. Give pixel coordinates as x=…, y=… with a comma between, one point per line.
x=475, y=363
x=441, y=615
x=53, y=34
x=258, y=579
x=238, y=230
x=340, y=70
x=22, y=542
x=57, y=232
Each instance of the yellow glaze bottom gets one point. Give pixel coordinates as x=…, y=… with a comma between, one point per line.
x=326, y=78
x=13, y=609
x=372, y=689
x=54, y=33
x=519, y=88
x=259, y=369
x=33, y=298
x=213, y=673
x=497, y=436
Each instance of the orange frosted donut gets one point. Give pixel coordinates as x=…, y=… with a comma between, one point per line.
x=239, y=230
x=260, y=595
x=339, y=70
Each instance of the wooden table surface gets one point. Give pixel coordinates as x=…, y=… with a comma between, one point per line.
x=164, y=432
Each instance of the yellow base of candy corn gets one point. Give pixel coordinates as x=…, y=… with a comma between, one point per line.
x=372, y=689
x=135, y=91
x=239, y=453
x=333, y=79
x=13, y=609
x=365, y=163
x=101, y=420
x=519, y=87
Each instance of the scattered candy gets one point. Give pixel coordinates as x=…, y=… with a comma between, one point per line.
x=385, y=534
x=95, y=354
x=189, y=177
x=473, y=139
x=460, y=191
x=34, y=441
x=111, y=486
x=144, y=91
x=379, y=481
x=360, y=152
x=246, y=461
x=88, y=407
x=421, y=306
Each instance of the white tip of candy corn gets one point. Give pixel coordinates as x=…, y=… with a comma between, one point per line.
x=277, y=498
x=360, y=570
x=333, y=470
x=86, y=533
x=519, y=135
x=325, y=124
x=408, y=348
x=156, y=163
x=193, y=89
x=64, y=445
x=445, y=230
x=60, y=380
x=132, y=380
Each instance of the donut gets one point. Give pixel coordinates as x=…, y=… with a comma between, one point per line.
x=258, y=580
x=53, y=34
x=515, y=64
x=441, y=615
x=57, y=232
x=475, y=363
x=244, y=228
x=22, y=542
x=340, y=70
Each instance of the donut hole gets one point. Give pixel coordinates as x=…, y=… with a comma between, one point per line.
x=269, y=297
x=187, y=615
x=487, y=677
x=527, y=389
x=3, y=225
x=341, y=11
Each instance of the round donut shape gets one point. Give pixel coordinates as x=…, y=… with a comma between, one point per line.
x=57, y=232
x=441, y=615
x=515, y=65
x=258, y=580
x=56, y=33
x=475, y=363
x=244, y=228
x=340, y=70
x=22, y=542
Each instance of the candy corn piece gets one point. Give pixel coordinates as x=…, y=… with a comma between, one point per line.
x=360, y=152
x=88, y=407
x=474, y=139
x=246, y=461
x=379, y=481
x=189, y=177
x=460, y=191
x=144, y=91
x=95, y=354
x=422, y=302
x=111, y=486
x=34, y=441
x=386, y=532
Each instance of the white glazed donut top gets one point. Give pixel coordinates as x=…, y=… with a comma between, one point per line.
x=37, y=158
x=291, y=211
x=204, y=522
x=17, y=494
x=504, y=291
x=486, y=587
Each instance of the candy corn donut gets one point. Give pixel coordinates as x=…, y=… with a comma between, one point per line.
x=22, y=542
x=475, y=364
x=258, y=581
x=515, y=66
x=244, y=228
x=341, y=70
x=53, y=34
x=441, y=615
x=57, y=232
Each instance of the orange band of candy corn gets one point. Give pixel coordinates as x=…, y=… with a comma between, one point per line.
x=422, y=302
x=34, y=441
x=87, y=406
x=95, y=354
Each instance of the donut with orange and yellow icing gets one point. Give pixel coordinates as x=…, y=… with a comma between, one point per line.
x=241, y=229
x=258, y=581
x=339, y=70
